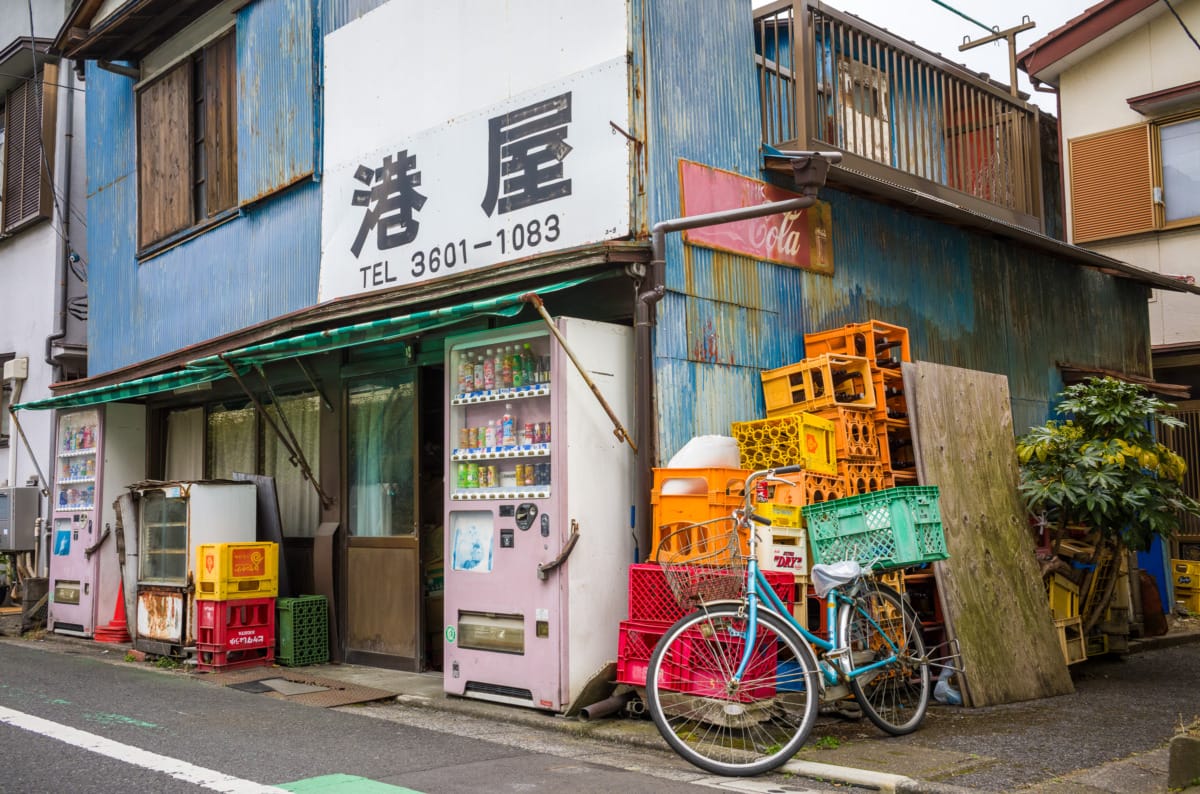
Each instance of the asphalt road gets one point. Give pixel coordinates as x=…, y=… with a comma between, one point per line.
x=237, y=742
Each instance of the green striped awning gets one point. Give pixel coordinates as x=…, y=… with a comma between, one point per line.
x=211, y=368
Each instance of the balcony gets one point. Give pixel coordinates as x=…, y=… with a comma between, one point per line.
x=903, y=117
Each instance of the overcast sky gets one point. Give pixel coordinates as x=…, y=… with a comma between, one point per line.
x=935, y=28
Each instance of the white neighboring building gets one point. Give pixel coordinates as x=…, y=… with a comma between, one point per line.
x=43, y=229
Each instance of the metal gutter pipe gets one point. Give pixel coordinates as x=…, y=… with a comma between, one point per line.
x=810, y=169
x=61, y=185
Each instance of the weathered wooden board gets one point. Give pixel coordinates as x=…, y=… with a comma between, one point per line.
x=991, y=588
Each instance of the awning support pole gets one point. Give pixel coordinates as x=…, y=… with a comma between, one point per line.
x=297, y=456
x=312, y=381
x=619, y=431
x=21, y=432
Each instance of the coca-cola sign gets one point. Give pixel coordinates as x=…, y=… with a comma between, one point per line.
x=800, y=238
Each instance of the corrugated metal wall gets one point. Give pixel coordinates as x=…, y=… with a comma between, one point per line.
x=276, y=103
x=968, y=299
x=251, y=269
x=335, y=13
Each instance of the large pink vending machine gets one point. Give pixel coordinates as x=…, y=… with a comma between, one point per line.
x=98, y=452
x=535, y=476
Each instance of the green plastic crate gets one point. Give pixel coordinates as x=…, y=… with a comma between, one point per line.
x=302, y=629
x=892, y=528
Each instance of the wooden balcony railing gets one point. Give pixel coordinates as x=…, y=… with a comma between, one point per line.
x=827, y=79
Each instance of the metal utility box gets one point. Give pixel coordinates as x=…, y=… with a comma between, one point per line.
x=18, y=518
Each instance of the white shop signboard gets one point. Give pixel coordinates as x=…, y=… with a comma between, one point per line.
x=540, y=171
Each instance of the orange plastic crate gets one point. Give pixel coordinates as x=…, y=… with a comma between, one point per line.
x=716, y=492
x=808, y=488
x=896, y=450
x=884, y=344
x=890, y=402
x=816, y=383
x=854, y=433
x=861, y=478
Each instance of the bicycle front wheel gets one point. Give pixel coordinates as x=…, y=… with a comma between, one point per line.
x=877, y=624
x=727, y=727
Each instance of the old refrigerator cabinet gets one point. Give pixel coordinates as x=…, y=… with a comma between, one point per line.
x=175, y=518
x=532, y=462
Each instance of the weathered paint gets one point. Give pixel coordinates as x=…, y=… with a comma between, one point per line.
x=276, y=130
x=160, y=613
x=257, y=266
x=968, y=299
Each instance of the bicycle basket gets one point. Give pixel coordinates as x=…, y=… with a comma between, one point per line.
x=704, y=562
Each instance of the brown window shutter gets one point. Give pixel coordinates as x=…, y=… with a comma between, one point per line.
x=26, y=185
x=220, y=105
x=1111, y=184
x=164, y=156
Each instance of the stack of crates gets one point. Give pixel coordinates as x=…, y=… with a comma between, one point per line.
x=884, y=346
x=653, y=610
x=1064, y=605
x=303, y=631
x=1186, y=575
x=236, y=588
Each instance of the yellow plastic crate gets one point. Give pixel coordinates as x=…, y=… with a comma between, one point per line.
x=1064, y=597
x=797, y=438
x=1188, y=600
x=226, y=571
x=785, y=516
x=817, y=383
x=1186, y=574
x=1071, y=640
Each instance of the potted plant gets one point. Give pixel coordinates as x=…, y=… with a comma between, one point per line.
x=1100, y=465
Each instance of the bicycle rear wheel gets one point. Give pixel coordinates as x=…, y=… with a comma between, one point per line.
x=746, y=727
x=896, y=696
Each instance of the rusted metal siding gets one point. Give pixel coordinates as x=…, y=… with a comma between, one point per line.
x=335, y=13
x=717, y=324
x=255, y=267
x=277, y=131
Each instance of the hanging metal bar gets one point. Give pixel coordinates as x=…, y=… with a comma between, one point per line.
x=297, y=456
x=12, y=415
x=534, y=300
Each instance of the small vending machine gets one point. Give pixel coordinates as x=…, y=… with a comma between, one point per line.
x=176, y=519
x=98, y=453
x=538, y=511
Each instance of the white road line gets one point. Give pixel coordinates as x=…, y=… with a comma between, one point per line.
x=180, y=770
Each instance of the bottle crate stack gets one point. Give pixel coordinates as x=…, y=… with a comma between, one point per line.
x=885, y=347
x=236, y=589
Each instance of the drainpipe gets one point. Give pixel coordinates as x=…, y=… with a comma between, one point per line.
x=62, y=189
x=809, y=170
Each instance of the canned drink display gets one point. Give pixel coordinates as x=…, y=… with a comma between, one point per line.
x=493, y=477
x=520, y=474
x=529, y=478
x=530, y=433
x=463, y=438
x=472, y=475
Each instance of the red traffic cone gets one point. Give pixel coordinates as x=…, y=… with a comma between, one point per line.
x=117, y=631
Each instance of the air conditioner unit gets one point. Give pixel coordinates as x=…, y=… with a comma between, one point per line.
x=18, y=518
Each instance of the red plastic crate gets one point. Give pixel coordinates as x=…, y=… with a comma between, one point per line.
x=693, y=679
x=651, y=601
x=636, y=644
x=209, y=659
x=240, y=624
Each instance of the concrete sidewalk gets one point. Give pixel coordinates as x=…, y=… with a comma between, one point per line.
x=1110, y=736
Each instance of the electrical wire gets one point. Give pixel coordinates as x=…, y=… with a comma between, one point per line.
x=1182, y=24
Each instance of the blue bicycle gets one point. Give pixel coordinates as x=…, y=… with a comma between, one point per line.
x=735, y=686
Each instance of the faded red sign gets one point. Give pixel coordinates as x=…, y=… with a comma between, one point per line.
x=801, y=238
x=248, y=562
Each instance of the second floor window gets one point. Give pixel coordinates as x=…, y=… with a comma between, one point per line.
x=187, y=142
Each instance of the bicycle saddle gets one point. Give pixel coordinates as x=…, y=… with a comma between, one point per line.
x=827, y=577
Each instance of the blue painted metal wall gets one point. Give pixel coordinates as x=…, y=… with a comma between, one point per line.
x=276, y=74
x=260, y=265
x=968, y=299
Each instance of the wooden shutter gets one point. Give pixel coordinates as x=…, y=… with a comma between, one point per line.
x=1111, y=184
x=220, y=106
x=27, y=195
x=164, y=156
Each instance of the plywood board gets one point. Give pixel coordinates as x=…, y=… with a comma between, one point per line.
x=991, y=588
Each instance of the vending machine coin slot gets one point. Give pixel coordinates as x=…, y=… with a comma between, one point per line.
x=526, y=512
